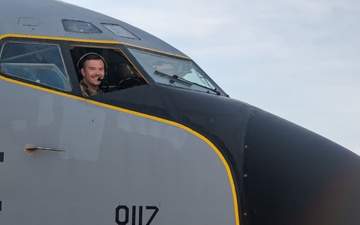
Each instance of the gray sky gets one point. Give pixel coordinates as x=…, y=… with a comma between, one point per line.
x=298, y=59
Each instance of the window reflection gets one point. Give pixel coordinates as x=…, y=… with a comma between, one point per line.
x=175, y=71
x=80, y=27
x=40, y=63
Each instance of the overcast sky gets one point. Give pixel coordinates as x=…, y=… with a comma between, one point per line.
x=298, y=59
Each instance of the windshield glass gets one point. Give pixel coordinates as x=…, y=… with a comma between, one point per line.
x=175, y=71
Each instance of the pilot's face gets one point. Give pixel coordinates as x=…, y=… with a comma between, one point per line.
x=93, y=70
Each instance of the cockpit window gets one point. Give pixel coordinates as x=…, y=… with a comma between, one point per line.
x=175, y=71
x=120, y=73
x=120, y=31
x=39, y=63
x=80, y=27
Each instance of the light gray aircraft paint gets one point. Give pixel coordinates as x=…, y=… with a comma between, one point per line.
x=113, y=158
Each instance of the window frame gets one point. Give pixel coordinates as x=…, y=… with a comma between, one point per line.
x=60, y=50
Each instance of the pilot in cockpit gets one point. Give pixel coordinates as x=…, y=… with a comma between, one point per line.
x=92, y=67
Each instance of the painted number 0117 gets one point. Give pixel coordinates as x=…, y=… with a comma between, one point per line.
x=137, y=215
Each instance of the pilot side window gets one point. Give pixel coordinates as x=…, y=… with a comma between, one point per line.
x=119, y=74
x=36, y=62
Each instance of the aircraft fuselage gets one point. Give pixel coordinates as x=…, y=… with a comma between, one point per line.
x=163, y=144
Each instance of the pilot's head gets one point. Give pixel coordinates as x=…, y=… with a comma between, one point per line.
x=92, y=67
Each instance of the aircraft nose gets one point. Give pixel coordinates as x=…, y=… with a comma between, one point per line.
x=294, y=176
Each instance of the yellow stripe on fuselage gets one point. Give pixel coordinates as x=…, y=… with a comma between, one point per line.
x=217, y=151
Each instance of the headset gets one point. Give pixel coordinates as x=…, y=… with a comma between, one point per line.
x=90, y=56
